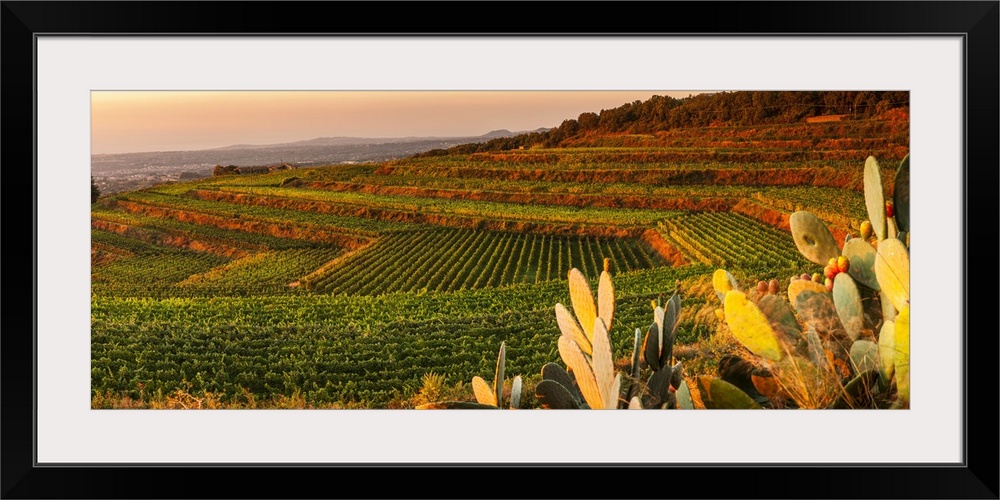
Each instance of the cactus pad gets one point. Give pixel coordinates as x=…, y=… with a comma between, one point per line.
x=901, y=195
x=606, y=299
x=577, y=361
x=892, y=269
x=887, y=349
x=651, y=347
x=515, y=393
x=816, y=353
x=484, y=393
x=875, y=197
x=817, y=311
x=751, y=327
x=671, y=318
x=864, y=356
x=717, y=394
x=812, y=238
x=570, y=328
x=859, y=391
x=556, y=373
x=847, y=300
x=684, y=401
x=862, y=256
x=891, y=231
x=657, y=388
x=498, y=375
x=888, y=311
x=583, y=301
x=799, y=286
x=723, y=282
x=901, y=358
x=552, y=395
x=781, y=317
x=633, y=379
x=659, y=343
x=603, y=364
x=676, y=375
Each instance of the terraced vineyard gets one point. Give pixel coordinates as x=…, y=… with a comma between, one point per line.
x=342, y=286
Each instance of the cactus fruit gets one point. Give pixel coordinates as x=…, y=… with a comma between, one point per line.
x=812, y=238
x=843, y=264
x=866, y=230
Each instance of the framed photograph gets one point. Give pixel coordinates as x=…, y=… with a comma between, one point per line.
x=272, y=187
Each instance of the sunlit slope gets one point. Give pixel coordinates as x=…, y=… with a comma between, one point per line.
x=345, y=284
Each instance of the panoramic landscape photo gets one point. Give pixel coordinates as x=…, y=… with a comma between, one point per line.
x=500, y=249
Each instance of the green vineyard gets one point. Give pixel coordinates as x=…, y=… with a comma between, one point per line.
x=343, y=286
x=446, y=260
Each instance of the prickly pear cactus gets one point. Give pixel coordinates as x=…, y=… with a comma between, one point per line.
x=487, y=396
x=842, y=344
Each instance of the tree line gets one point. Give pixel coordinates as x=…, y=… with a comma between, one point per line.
x=661, y=113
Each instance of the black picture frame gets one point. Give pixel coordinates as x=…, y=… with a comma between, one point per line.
x=976, y=477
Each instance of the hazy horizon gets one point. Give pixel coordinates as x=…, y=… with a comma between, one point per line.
x=151, y=121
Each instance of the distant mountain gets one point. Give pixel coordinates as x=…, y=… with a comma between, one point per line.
x=129, y=171
x=356, y=141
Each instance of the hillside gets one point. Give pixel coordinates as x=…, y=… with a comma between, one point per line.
x=345, y=285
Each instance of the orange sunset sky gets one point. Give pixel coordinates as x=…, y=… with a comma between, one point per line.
x=133, y=121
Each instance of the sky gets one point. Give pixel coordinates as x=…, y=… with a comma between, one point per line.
x=139, y=121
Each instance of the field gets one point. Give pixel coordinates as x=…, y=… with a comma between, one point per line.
x=387, y=285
